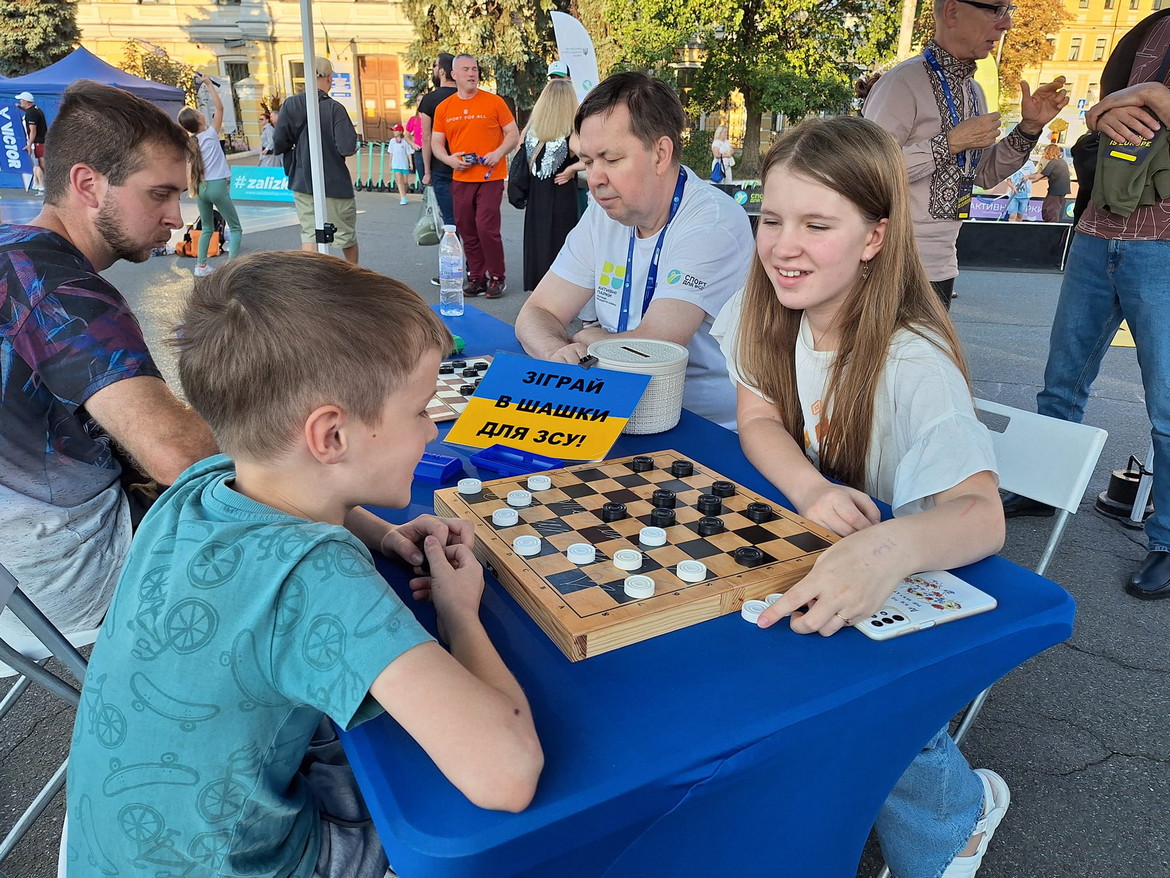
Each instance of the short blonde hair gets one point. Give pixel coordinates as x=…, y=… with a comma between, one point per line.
x=272, y=336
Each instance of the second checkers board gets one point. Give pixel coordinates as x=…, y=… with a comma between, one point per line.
x=456, y=382
x=584, y=608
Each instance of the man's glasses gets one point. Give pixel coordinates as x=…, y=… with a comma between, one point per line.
x=995, y=9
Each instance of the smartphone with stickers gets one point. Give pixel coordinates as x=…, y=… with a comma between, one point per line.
x=923, y=601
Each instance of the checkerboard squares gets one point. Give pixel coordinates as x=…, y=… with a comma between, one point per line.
x=450, y=399
x=584, y=607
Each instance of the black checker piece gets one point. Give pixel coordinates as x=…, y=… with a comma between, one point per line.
x=808, y=542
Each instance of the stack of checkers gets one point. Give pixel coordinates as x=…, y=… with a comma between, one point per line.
x=456, y=383
x=607, y=554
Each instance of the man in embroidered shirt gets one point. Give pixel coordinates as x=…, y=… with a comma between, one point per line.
x=630, y=130
x=933, y=107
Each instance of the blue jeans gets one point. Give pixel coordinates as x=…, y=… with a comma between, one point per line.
x=1105, y=281
x=932, y=811
x=442, y=187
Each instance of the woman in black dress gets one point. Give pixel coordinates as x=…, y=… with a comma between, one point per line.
x=542, y=179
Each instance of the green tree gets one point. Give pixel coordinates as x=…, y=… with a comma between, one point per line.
x=153, y=63
x=1026, y=45
x=794, y=57
x=35, y=34
x=510, y=38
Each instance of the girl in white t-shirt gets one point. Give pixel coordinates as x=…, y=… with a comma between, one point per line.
x=847, y=367
x=209, y=178
x=400, y=157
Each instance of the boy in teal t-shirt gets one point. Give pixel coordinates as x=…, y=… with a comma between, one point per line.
x=249, y=609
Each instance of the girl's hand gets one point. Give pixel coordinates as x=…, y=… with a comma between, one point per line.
x=850, y=581
x=841, y=509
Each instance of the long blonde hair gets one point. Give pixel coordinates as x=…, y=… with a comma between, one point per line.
x=858, y=160
x=192, y=121
x=552, y=117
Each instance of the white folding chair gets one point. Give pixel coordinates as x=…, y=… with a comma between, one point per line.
x=26, y=656
x=1045, y=459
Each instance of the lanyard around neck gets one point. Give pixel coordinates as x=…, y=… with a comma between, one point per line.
x=961, y=158
x=652, y=273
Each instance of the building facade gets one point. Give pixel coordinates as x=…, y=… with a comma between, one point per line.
x=261, y=39
x=1081, y=49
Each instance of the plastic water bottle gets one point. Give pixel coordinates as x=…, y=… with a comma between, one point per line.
x=450, y=274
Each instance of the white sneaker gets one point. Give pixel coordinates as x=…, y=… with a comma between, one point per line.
x=996, y=799
x=203, y=270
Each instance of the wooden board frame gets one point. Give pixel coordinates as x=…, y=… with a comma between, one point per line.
x=597, y=618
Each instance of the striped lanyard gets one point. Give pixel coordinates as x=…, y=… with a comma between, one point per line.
x=652, y=274
x=960, y=159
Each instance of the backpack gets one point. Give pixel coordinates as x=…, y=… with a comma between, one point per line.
x=189, y=246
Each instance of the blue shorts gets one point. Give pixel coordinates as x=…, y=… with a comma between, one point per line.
x=1017, y=204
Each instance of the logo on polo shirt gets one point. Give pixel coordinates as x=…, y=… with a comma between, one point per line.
x=612, y=276
x=675, y=276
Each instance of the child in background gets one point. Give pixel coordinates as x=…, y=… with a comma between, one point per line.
x=847, y=367
x=250, y=613
x=209, y=177
x=400, y=151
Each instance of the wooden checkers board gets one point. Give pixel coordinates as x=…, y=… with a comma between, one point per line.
x=584, y=608
x=451, y=392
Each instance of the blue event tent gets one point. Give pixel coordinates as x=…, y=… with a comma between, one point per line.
x=48, y=85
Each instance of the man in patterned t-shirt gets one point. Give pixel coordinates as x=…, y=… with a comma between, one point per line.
x=76, y=374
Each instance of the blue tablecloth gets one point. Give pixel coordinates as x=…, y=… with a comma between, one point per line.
x=720, y=749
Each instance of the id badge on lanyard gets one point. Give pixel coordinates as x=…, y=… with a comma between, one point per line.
x=963, y=209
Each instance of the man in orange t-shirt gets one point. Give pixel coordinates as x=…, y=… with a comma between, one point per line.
x=473, y=132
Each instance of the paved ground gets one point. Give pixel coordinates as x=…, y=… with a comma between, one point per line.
x=1079, y=732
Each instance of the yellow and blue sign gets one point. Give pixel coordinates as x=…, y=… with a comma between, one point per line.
x=554, y=409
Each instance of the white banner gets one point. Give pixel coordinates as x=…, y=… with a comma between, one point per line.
x=575, y=47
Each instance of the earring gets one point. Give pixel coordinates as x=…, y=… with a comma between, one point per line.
x=864, y=269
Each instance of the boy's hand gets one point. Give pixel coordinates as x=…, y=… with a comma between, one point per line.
x=455, y=583
x=406, y=540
